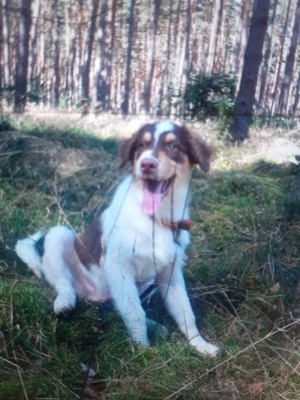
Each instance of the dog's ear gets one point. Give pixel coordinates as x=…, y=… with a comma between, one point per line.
x=126, y=150
x=199, y=152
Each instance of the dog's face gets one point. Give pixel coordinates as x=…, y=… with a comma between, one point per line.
x=163, y=154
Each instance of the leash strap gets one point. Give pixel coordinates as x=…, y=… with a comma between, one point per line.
x=102, y=310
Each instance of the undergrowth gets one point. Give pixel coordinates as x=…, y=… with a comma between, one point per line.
x=242, y=276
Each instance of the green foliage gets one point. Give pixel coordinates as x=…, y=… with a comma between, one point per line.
x=210, y=96
x=5, y=124
x=274, y=122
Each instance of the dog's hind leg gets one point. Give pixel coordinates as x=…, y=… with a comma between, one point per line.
x=56, y=269
x=66, y=296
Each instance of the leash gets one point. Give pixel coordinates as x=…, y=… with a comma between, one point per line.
x=103, y=309
x=176, y=231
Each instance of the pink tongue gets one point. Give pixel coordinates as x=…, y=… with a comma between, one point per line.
x=151, y=201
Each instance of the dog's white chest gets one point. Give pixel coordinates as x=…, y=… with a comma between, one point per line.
x=136, y=242
x=143, y=247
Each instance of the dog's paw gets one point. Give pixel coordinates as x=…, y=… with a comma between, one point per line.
x=203, y=347
x=63, y=304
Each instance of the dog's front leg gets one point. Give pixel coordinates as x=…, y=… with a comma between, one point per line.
x=173, y=291
x=126, y=299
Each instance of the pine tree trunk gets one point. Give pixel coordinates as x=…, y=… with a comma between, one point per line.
x=245, y=100
x=1, y=51
x=6, y=64
x=90, y=44
x=75, y=84
x=297, y=95
x=283, y=101
x=22, y=57
x=165, y=103
x=56, y=56
x=280, y=57
x=32, y=45
x=41, y=56
x=104, y=52
x=177, y=60
x=186, y=63
x=154, y=14
x=125, y=104
x=218, y=44
x=267, y=56
x=241, y=37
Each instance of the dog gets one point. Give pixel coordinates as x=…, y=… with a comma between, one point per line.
x=138, y=240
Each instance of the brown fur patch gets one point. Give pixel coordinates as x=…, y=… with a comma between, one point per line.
x=88, y=245
x=170, y=137
x=147, y=137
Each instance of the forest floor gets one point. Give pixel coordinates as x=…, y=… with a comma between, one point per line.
x=242, y=273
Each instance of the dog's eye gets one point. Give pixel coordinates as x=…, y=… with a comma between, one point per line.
x=142, y=145
x=173, y=146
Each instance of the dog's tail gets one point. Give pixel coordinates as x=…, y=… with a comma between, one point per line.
x=30, y=251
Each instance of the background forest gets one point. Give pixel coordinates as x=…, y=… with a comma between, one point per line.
x=175, y=57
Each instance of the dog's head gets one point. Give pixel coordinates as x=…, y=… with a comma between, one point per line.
x=163, y=154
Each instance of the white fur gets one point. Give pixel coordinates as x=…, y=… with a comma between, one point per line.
x=58, y=268
x=25, y=250
x=160, y=128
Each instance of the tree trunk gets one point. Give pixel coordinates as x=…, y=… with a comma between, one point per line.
x=154, y=15
x=176, y=58
x=244, y=103
x=213, y=36
x=104, y=52
x=6, y=64
x=41, y=57
x=111, y=51
x=32, y=46
x=1, y=53
x=267, y=56
x=296, y=99
x=56, y=56
x=186, y=63
x=99, y=56
x=22, y=57
x=280, y=57
x=125, y=104
x=241, y=37
x=165, y=104
x=218, y=43
x=90, y=44
x=283, y=101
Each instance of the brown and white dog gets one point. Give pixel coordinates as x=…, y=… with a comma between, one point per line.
x=139, y=239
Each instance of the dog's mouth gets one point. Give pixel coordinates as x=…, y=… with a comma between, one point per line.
x=153, y=193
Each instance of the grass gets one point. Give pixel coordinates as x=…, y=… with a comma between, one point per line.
x=242, y=277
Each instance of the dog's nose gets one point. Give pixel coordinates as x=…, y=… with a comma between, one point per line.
x=149, y=166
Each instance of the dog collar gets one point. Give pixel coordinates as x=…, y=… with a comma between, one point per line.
x=184, y=224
